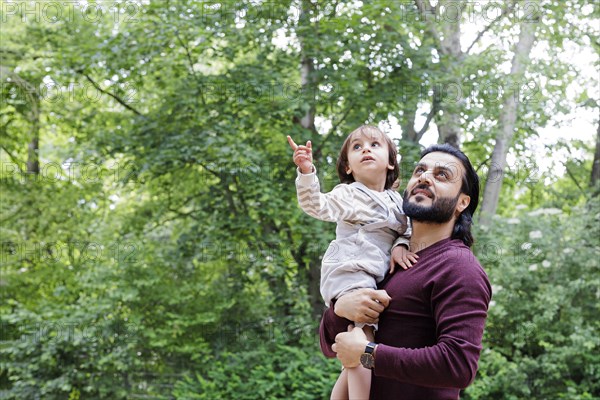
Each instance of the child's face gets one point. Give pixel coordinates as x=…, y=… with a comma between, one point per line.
x=368, y=157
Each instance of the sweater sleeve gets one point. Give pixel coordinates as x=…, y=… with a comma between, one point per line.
x=330, y=326
x=459, y=302
x=333, y=206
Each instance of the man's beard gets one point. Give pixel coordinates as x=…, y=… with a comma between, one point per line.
x=440, y=211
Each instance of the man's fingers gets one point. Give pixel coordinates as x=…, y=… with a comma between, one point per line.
x=382, y=297
x=293, y=145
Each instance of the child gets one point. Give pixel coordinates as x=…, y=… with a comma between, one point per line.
x=370, y=222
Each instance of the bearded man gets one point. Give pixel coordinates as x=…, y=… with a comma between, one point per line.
x=431, y=317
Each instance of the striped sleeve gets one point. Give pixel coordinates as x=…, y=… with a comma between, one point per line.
x=334, y=206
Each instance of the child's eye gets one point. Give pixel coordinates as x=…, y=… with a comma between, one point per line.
x=356, y=147
x=375, y=144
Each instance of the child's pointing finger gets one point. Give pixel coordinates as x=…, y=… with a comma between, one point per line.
x=293, y=145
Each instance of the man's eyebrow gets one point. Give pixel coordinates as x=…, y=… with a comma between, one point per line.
x=437, y=167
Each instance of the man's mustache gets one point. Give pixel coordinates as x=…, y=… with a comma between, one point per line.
x=424, y=188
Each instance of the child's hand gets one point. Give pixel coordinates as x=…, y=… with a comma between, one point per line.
x=403, y=257
x=302, y=156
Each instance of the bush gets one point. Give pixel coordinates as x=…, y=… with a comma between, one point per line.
x=272, y=370
x=541, y=337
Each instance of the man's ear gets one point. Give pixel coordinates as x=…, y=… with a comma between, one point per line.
x=463, y=202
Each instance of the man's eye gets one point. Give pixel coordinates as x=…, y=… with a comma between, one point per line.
x=443, y=175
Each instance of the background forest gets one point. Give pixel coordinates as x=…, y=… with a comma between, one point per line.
x=152, y=246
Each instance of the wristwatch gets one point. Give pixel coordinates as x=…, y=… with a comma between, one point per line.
x=367, y=359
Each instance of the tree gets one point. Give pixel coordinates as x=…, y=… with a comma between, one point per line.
x=508, y=118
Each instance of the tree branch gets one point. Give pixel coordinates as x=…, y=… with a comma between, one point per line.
x=12, y=158
x=505, y=10
x=317, y=152
x=574, y=179
x=434, y=110
x=117, y=98
x=484, y=162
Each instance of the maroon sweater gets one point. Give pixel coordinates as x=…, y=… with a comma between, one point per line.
x=430, y=334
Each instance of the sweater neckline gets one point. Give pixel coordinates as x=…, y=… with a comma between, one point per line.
x=433, y=247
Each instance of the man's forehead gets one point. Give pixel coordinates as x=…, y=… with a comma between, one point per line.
x=439, y=159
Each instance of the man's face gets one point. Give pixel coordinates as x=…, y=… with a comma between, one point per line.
x=433, y=192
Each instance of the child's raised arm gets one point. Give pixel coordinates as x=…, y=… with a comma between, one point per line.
x=302, y=155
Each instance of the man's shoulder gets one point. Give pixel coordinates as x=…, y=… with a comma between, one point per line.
x=456, y=256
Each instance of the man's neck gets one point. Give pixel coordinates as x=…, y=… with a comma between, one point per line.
x=426, y=234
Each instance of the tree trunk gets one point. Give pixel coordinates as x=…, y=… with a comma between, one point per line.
x=311, y=272
x=508, y=118
x=452, y=103
x=595, y=178
x=33, y=160
x=447, y=44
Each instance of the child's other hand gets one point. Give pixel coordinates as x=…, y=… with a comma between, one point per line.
x=403, y=257
x=302, y=156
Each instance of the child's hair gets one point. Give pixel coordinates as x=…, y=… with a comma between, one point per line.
x=370, y=131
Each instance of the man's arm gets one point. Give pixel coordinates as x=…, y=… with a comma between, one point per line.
x=459, y=303
x=362, y=305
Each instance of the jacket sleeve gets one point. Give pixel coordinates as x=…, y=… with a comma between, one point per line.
x=334, y=206
x=459, y=302
x=404, y=239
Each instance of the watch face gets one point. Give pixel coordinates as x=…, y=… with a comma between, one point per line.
x=367, y=360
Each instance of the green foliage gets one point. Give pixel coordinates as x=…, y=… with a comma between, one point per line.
x=541, y=336
x=160, y=251
x=267, y=369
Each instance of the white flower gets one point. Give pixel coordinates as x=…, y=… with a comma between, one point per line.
x=535, y=234
x=533, y=267
x=568, y=250
x=492, y=303
x=521, y=206
x=513, y=221
x=526, y=246
x=496, y=288
x=546, y=264
x=545, y=211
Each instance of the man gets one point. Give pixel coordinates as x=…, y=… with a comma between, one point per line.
x=431, y=316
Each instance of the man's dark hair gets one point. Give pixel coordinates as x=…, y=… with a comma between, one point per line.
x=470, y=187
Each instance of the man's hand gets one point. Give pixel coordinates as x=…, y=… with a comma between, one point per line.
x=362, y=305
x=302, y=155
x=349, y=346
x=403, y=257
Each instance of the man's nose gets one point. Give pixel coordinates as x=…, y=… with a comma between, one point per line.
x=426, y=177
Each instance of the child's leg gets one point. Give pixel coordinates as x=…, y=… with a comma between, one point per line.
x=359, y=378
x=340, y=389
x=359, y=383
